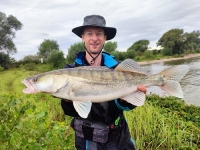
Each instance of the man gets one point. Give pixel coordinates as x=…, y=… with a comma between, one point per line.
x=94, y=34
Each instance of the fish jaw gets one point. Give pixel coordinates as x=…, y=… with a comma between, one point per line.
x=31, y=88
x=46, y=83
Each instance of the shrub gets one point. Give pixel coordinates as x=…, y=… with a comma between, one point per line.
x=1, y=68
x=57, y=59
x=166, y=51
x=198, y=50
x=29, y=66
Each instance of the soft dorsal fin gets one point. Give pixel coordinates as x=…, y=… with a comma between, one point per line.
x=175, y=73
x=130, y=65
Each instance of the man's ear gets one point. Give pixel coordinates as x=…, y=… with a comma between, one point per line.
x=105, y=37
x=82, y=37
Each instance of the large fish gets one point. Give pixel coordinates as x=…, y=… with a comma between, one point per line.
x=87, y=84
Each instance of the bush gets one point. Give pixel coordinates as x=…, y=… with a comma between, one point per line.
x=148, y=55
x=1, y=68
x=73, y=50
x=4, y=60
x=167, y=52
x=198, y=50
x=29, y=66
x=56, y=59
x=138, y=58
x=130, y=54
x=155, y=52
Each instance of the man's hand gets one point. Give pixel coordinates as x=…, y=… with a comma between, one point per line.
x=142, y=88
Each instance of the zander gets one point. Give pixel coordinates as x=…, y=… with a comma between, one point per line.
x=86, y=85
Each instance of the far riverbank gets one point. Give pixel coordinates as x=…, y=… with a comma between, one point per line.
x=169, y=59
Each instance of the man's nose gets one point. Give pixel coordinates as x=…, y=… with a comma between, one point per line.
x=94, y=37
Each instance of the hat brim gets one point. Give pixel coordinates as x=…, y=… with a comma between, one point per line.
x=109, y=31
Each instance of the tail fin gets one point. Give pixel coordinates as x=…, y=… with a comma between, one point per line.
x=172, y=76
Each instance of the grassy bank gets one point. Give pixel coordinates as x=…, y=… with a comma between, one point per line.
x=37, y=121
x=165, y=123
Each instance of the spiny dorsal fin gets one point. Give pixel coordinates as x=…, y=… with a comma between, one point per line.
x=130, y=65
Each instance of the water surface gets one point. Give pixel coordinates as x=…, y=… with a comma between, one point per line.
x=190, y=83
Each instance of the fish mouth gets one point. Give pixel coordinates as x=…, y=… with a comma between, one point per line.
x=30, y=89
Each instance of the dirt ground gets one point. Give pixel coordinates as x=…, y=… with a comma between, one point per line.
x=169, y=59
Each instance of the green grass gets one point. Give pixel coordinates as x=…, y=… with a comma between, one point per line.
x=11, y=79
x=27, y=122
x=37, y=121
x=153, y=128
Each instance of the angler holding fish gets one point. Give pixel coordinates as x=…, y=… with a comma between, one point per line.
x=97, y=89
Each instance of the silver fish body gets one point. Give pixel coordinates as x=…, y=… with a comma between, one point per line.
x=84, y=85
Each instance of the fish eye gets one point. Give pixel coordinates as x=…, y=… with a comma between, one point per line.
x=34, y=79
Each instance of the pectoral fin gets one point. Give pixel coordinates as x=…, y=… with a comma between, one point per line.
x=82, y=108
x=136, y=98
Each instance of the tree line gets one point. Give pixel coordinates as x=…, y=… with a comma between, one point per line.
x=173, y=42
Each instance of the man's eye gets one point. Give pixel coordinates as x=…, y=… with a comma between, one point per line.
x=89, y=34
x=99, y=34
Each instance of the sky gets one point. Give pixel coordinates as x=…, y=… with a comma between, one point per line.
x=133, y=19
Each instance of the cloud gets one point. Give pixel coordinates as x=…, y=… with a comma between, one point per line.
x=134, y=20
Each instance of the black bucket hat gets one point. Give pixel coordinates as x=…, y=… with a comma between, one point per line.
x=95, y=21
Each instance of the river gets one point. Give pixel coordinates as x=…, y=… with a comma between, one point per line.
x=190, y=83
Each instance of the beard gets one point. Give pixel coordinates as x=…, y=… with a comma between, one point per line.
x=94, y=53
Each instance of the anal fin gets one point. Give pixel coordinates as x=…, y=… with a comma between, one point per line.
x=173, y=88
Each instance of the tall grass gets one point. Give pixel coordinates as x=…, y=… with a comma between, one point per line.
x=152, y=129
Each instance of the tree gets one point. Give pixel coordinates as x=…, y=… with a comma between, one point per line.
x=173, y=40
x=73, y=50
x=191, y=41
x=4, y=60
x=8, y=26
x=56, y=58
x=46, y=47
x=110, y=46
x=140, y=45
x=197, y=33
